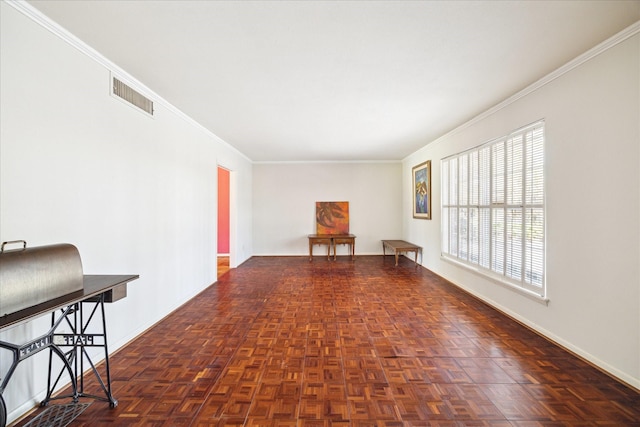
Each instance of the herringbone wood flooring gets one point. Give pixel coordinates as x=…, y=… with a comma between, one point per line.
x=283, y=341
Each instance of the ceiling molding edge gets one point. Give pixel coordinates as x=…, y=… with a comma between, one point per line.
x=612, y=41
x=44, y=21
x=306, y=162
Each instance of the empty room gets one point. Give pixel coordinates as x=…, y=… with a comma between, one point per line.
x=428, y=213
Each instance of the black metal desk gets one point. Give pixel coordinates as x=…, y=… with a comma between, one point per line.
x=68, y=310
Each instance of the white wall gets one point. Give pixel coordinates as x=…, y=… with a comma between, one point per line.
x=592, y=205
x=285, y=195
x=137, y=195
x=134, y=194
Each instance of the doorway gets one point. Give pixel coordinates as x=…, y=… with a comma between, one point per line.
x=224, y=201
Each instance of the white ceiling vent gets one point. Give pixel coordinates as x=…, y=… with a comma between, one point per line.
x=132, y=96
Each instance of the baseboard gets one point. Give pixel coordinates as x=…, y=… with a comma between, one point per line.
x=591, y=360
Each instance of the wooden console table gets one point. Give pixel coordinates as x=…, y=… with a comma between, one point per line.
x=345, y=239
x=319, y=239
x=331, y=240
x=400, y=246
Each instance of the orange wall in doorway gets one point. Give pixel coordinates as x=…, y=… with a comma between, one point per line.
x=223, y=211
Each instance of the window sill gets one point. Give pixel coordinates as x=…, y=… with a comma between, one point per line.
x=524, y=292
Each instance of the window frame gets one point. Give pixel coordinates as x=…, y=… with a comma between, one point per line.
x=493, y=209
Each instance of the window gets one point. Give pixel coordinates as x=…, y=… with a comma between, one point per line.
x=493, y=208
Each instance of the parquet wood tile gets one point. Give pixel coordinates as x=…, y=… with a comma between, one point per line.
x=280, y=341
x=223, y=265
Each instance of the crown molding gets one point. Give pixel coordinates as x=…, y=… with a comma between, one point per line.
x=327, y=162
x=44, y=21
x=616, y=39
x=38, y=17
x=50, y=25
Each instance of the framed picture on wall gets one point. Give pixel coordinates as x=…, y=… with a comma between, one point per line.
x=422, y=190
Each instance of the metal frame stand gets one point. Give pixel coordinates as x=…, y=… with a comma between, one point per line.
x=71, y=349
x=24, y=351
x=77, y=342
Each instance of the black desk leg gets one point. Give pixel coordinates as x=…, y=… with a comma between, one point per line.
x=78, y=341
x=21, y=352
x=3, y=412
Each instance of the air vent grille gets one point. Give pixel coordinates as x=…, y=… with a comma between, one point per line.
x=132, y=96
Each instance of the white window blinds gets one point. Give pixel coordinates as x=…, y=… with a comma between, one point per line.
x=493, y=208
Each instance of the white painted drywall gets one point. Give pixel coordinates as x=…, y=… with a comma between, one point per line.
x=285, y=195
x=592, y=185
x=135, y=194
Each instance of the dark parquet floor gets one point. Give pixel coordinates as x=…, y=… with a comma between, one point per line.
x=281, y=341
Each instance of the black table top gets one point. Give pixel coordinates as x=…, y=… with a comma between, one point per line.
x=94, y=285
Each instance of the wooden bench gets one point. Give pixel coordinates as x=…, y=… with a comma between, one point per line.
x=400, y=246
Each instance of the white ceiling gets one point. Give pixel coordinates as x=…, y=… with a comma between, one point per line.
x=338, y=80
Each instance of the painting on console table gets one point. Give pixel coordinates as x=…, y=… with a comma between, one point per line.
x=422, y=190
x=332, y=217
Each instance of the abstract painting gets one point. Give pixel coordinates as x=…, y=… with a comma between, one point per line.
x=332, y=217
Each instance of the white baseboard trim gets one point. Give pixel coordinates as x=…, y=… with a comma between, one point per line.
x=575, y=350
